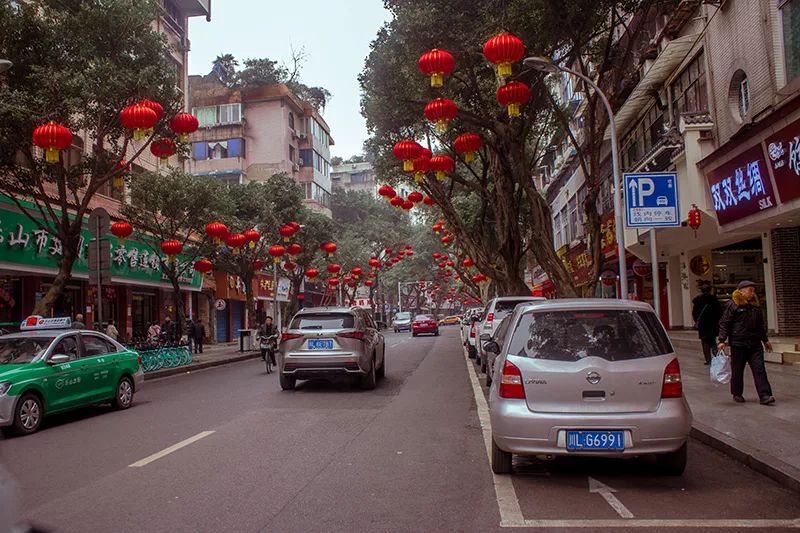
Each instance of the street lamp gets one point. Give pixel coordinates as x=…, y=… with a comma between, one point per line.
x=5, y=64
x=543, y=64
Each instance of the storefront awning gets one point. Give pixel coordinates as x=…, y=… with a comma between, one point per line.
x=665, y=64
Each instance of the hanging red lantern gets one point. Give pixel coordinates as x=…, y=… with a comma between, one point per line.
x=356, y=271
x=386, y=191
x=121, y=230
x=121, y=170
x=203, y=266
x=407, y=205
x=258, y=264
x=294, y=249
x=442, y=164
x=447, y=239
x=171, y=248
x=429, y=201
x=289, y=266
x=369, y=283
x=467, y=262
x=374, y=263
x=409, y=253
x=395, y=260
x=155, y=106
x=52, y=138
x=409, y=246
x=138, y=118
x=184, y=124
x=276, y=251
x=437, y=64
x=333, y=282
x=312, y=273
x=396, y=201
x=163, y=148
x=436, y=228
x=451, y=264
x=294, y=225
x=513, y=95
x=467, y=144
x=217, y=231
x=415, y=197
x=235, y=241
x=252, y=237
x=422, y=165
x=407, y=150
x=695, y=218
x=441, y=112
x=504, y=49
x=286, y=232
x=334, y=268
x=442, y=265
x=436, y=255
x=328, y=247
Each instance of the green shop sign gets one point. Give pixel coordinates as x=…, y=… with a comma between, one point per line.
x=23, y=243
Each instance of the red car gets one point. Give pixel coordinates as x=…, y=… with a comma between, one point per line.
x=424, y=324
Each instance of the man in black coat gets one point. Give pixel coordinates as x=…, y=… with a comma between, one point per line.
x=742, y=326
x=706, y=312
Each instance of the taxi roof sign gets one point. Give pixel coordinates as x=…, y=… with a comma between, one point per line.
x=37, y=322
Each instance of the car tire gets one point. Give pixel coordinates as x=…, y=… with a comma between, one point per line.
x=123, y=394
x=413, y=334
x=287, y=383
x=370, y=379
x=28, y=414
x=436, y=333
x=501, y=460
x=471, y=352
x=483, y=365
x=381, y=373
x=488, y=379
x=673, y=463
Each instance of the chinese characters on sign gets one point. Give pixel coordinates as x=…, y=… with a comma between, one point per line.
x=578, y=263
x=608, y=236
x=741, y=187
x=784, y=155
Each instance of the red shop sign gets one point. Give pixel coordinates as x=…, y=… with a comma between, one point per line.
x=783, y=149
x=741, y=187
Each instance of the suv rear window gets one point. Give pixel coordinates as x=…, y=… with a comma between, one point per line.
x=506, y=306
x=572, y=335
x=323, y=321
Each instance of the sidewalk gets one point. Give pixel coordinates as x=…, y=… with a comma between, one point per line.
x=763, y=437
x=213, y=355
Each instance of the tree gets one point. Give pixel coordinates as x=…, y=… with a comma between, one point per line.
x=175, y=206
x=78, y=63
x=512, y=217
x=224, y=68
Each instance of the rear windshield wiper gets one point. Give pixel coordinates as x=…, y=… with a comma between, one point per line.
x=311, y=327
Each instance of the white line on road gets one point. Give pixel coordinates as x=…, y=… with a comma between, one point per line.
x=596, y=487
x=166, y=451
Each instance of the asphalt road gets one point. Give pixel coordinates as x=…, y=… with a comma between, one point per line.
x=408, y=456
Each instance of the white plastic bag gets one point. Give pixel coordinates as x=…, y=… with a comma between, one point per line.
x=720, y=368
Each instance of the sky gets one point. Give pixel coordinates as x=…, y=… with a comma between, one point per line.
x=335, y=34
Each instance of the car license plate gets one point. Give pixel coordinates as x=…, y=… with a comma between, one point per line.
x=320, y=344
x=595, y=440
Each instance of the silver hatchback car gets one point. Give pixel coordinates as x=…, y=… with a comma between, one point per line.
x=325, y=342
x=587, y=377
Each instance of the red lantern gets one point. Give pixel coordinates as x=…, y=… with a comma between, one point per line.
x=138, y=118
x=312, y=273
x=294, y=249
x=52, y=138
x=409, y=247
x=513, y=95
x=386, y=191
x=396, y=201
x=334, y=268
x=183, y=124
x=356, y=271
x=406, y=151
x=121, y=230
x=467, y=144
x=369, y=283
x=258, y=264
x=276, y=251
x=409, y=253
x=442, y=265
x=289, y=266
x=388, y=250
x=217, y=231
x=695, y=218
x=442, y=164
x=395, y=260
x=171, y=248
x=374, y=263
x=155, y=106
x=437, y=64
x=252, y=237
x=163, y=148
x=502, y=50
x=422, y=165
x=436, y=228
x=287, y=232
x=415, y=197
x=329, y=248
x=333, y=282
x=446, y=239
x=203, y=266
x=294, y=225
x=429, y=201
x=468, y=262
x=408, y=205
x=440, y=111
x=436, y=255
x=451, y=264
x=121, y=171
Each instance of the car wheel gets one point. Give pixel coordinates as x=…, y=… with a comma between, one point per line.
x=413, y=334
x=287, y=383
x=28, y=414
x=501, y=461
x=381, y=373
x=436, y=333
x=471, y=352
x=369, y=380
x=673, y=463
x=123, y=398
x=488, y=378
x=483, y=365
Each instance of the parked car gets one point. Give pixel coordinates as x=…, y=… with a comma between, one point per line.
x=498, y=337
x=450, y=320
x=592, y=377
x=48, y=367
x=424, y=324
x=402, y=322
x=466, y=323
x=497, y=309
x=328, y=342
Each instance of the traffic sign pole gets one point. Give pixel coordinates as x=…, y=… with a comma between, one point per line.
x=655, y=274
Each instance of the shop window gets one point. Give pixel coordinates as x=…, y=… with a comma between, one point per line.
x=739, y=96
x=790, y=16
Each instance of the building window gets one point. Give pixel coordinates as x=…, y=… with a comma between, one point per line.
x=565, y=236
x=217, y=115
x=739, y=96
x=306, y=157
x=292, y=153
x=581, y=229
x=291, y=120
x=222, y=149
x=689, y=90
x=557, y=231
x=790, y=15
x=744, y=98
x=572, y=206
x=643, y=137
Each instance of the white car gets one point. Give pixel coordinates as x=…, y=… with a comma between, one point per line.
x=469, y=332
x=497, y=309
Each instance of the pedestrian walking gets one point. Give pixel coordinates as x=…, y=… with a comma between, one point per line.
x=199, y=336
x=190, y=332
x=706, y=312
x=154, y=332
x=78, y=322
x=111, y=330
x=168, y=330
x=742, y=326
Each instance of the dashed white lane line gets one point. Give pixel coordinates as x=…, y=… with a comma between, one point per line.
x=166, y=451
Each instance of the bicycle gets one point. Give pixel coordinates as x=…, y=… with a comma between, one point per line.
x=269, y=345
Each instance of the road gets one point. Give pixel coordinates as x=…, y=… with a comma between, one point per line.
x=225, y=449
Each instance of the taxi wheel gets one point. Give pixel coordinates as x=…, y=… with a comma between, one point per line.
x=123, y=398
x=28, y=415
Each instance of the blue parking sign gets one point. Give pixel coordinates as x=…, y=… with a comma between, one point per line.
x=651, y=200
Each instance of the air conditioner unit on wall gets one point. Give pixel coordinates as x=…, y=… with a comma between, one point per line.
x=302, y=136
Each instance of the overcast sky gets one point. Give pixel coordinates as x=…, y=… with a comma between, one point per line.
x=336, y=36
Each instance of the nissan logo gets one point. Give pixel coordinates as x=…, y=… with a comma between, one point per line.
x=593, y=378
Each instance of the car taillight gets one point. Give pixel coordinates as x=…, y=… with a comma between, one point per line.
x=490, y=317
x=290, y=336
x=141, y=361
x=472, y=330
x=511, y=382
x=672, y=387
x=351, y=335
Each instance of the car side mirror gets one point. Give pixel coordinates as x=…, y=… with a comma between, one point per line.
x=474, y=319
x=492, y=347
x=485, y=337
x=58, y=359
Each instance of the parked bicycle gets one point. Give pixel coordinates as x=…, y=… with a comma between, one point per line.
x=161, y=354
x=269, y=345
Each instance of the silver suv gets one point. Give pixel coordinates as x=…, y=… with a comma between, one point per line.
x=325, y=342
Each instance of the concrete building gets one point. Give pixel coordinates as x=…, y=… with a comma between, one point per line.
x=355, y=177
x=250, y=134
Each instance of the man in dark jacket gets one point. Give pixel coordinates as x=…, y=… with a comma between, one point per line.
x=742, y=326
x=199, y=333
x=706, y=312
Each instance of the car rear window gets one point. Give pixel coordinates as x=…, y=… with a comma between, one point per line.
x=614, y=335
x=506, y=306
x=402, y=316
x=423, y=317
x=324, y=321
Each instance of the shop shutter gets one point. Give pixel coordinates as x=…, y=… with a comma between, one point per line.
x=236, y=318
x=222, y=326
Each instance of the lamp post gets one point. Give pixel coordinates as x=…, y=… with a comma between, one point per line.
x=544, y=64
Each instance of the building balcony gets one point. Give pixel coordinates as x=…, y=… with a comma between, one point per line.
x=194, y=8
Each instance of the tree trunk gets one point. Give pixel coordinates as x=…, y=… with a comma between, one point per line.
x=595, y=238
x=64, y=274
x=178, y=311
x=250, y=301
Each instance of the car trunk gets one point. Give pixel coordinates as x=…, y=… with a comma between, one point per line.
x=323, y=335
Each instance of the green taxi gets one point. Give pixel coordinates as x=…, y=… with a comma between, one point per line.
x=48, y=367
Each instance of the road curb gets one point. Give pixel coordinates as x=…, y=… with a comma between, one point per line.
x=207, y=364
x=760, y=461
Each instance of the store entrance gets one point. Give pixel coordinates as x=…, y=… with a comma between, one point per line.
x=735, y=263
x=143, y=309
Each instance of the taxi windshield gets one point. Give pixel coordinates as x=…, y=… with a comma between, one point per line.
x=21, y=350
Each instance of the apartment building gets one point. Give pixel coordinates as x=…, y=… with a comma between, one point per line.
x=355, y=177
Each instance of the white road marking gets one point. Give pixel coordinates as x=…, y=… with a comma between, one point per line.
x=596, y=487
x=166, y=451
